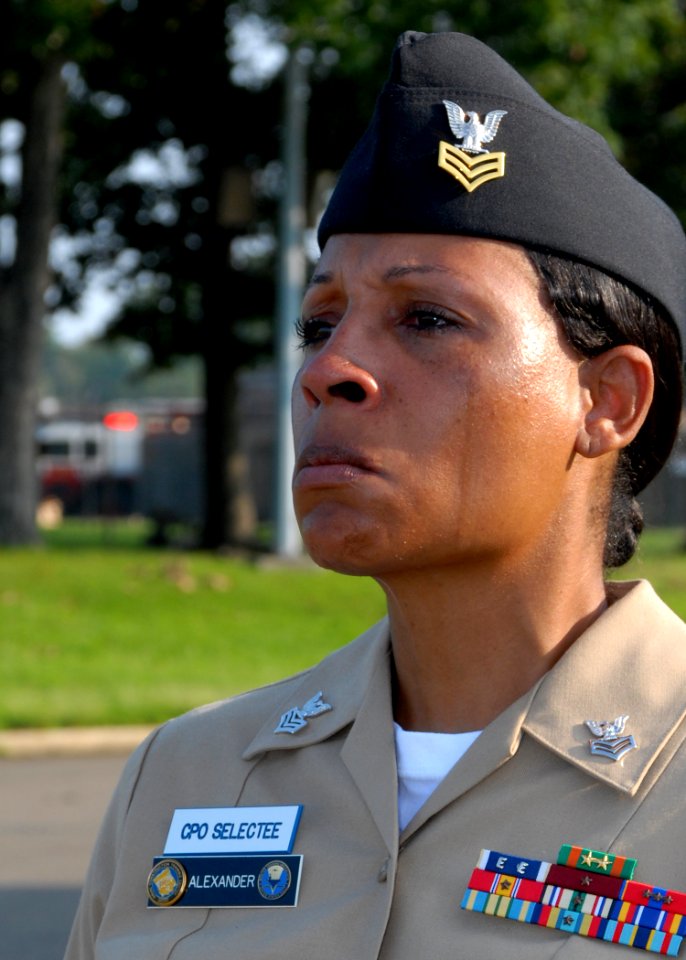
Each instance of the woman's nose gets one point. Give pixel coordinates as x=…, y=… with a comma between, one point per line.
x=330, y=376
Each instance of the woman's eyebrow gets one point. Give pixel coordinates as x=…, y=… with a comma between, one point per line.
x=393, y=273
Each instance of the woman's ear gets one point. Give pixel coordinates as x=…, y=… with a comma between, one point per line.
x=619, y=389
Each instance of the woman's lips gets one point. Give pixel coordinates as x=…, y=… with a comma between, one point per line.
x=330, y=465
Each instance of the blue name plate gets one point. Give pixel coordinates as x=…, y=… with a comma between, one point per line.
x=222, y=830
x=234, y=881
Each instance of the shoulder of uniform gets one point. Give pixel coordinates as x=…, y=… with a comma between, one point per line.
x=237, y=719
x=233, y=719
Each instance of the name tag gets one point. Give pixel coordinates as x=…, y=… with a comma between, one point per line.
x=224, y=881
x=233, y=830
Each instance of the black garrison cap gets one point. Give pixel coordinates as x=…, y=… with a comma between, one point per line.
x=460, y=143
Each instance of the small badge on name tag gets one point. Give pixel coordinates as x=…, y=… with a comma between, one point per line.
x=233, y=830
x=234, y=881
x=167, y=882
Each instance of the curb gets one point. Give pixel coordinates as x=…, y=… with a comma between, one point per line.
x=71, y=742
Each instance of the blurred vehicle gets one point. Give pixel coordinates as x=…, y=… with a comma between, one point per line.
x=144, y=458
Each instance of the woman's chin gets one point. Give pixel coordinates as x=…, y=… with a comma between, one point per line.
x=344, y=548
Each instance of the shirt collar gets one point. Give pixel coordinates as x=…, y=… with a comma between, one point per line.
x=343, y=677
x=630, y=662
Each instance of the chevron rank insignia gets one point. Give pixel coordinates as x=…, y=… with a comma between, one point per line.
x=469, y=162
x=296, y=718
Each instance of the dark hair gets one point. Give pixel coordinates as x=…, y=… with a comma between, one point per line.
x=598, y=312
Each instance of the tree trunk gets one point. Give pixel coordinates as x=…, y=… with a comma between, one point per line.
x=230, y=515
x=22, y=309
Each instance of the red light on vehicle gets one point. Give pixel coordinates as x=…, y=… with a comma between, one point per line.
x=124, y=420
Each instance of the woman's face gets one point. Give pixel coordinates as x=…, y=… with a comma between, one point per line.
x=437, y=406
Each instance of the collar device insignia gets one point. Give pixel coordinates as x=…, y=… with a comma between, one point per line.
x=609, y=741
x=295, y=719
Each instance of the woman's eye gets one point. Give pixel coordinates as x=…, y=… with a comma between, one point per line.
x=430, y=321
x=312, y=330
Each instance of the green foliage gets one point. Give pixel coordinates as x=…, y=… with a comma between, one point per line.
x=34, y=31
x=98, y=373
x=621, y=67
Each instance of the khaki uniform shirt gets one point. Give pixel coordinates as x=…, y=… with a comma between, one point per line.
x=527, y=785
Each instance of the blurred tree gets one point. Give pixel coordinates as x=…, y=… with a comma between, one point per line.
x=33, y=47
x=163, y=198
x=95, y=373
x=155, y=184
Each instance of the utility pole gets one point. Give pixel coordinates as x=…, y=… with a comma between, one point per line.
x=291, y=281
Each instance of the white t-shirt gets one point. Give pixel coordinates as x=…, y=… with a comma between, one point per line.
x=423, y=760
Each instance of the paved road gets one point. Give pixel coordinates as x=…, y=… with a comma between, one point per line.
x=50, y=809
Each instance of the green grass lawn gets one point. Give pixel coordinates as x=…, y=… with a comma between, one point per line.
x=662, y=560
x=97, y=629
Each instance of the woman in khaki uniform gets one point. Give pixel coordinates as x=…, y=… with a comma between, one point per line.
x=491, y=372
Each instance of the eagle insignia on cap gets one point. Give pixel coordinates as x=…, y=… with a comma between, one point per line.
x=469, y=128
x=469, y=162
